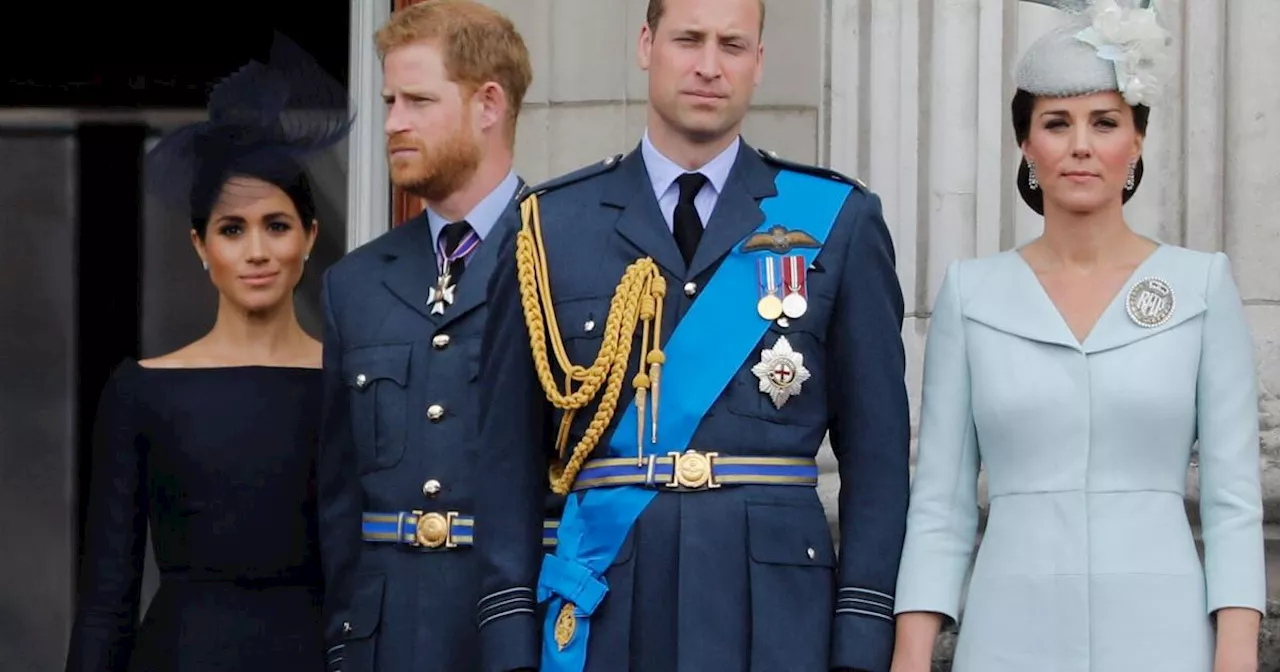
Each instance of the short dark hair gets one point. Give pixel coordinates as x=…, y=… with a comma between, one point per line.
x=659, y=7
x=1021, y=107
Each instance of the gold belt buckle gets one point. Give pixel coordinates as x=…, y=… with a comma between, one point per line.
x=692, y=470
x=434, y=530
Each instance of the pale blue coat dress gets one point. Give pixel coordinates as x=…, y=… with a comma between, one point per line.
x=1087, y=562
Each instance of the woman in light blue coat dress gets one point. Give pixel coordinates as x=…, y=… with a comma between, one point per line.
x=1080, y=370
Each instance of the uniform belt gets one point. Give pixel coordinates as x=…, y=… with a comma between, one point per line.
x=693, y=471
x=432, y=530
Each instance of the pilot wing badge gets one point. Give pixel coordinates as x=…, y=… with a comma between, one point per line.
x=779, y=239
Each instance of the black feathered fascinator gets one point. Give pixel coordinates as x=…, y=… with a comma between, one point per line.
x=263, y=120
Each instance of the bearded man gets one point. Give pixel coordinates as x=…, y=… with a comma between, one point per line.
x=403, y=318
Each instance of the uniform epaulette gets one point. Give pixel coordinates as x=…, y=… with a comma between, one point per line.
x=772, y=157
x=597, y=168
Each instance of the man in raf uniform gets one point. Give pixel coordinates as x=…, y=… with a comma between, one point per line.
x=690, y=374
x=404, y=316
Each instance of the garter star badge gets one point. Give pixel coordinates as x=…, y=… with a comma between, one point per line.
x=1150, y=302
x=781, y=372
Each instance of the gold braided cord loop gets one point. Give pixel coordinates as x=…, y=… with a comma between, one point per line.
x=637, y=301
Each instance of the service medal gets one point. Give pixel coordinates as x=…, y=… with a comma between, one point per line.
x=769, y=306
x=794, y=281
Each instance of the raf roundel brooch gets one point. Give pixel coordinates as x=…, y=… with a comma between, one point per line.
x=1150, y=302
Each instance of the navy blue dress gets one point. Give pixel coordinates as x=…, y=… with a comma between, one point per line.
x=220, y=462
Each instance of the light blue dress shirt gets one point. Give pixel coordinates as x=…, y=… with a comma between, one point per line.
x=484, y=216
x=663, y=173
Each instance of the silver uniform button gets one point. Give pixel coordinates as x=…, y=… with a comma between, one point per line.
x=690, y=288
x=440, y=341
x=435, y=412
x=361, y=380
x=431, y=488
x=811, y=553
x=590, y=325
x=346, y=626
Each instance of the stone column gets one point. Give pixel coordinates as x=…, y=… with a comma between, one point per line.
x=1251, y=199
x=368, y=185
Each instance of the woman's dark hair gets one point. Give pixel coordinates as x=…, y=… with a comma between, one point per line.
x=1023, y=103
x=283, y=173
x=263, y=120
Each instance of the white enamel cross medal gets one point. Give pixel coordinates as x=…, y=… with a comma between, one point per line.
x=441, y=295
x=781, y=372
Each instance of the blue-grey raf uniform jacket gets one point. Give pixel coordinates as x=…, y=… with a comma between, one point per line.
x=400, y=404
x=744, y=578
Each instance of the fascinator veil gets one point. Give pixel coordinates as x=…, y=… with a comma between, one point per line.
x=263, y=121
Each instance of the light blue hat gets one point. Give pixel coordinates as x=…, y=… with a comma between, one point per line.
x=1108, y=45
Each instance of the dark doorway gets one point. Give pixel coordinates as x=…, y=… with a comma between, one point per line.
x=151, y=54
x=81, y=85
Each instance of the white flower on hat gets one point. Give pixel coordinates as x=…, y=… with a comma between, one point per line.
x=1135, y=42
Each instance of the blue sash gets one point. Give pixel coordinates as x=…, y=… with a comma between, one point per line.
x=595, y=524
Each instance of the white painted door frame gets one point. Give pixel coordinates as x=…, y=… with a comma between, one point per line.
x=368, y=185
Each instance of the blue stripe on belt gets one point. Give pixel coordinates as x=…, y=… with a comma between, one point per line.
x=432, y=530
x=693, y=470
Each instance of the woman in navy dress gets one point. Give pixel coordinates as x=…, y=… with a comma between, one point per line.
x=214, y=445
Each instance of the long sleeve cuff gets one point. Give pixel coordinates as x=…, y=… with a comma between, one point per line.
x=509, y=638
x=932, y=577
x=333, y=657
x=862, y=632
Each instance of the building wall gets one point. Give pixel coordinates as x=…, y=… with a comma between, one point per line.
x=920, y=110
x=588, y=96
x=38, y=352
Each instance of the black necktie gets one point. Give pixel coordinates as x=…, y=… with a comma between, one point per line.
x=687, y=224
x=451, y=236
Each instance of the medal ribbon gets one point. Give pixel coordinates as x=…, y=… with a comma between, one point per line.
x=766, y=276
x=466, y=246
x=793, y=274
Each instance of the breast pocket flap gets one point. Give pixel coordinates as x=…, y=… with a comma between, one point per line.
x=786, y=534
x=370, y=364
